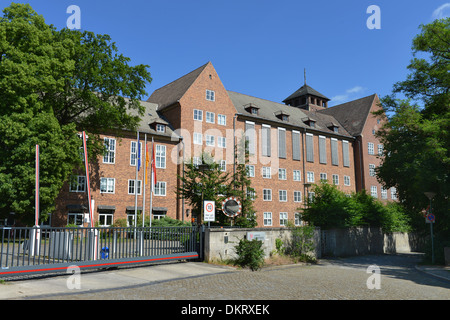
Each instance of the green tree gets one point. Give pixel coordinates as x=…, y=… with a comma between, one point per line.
x=52, y=85
x=242, y=189
x=204, y=182
x=416, y=135
x=333, y=208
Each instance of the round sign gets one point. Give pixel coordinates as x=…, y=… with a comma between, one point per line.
x=430, y=217
x=209, y=207
x=231, y=207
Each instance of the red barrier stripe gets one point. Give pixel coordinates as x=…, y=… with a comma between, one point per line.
x=98, y=265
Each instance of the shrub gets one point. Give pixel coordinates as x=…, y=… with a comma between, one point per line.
x=250, y=254
x=302, y=244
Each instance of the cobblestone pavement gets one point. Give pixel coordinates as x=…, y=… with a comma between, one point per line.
x=340, y=279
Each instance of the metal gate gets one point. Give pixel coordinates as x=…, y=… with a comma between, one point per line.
x=37, y=250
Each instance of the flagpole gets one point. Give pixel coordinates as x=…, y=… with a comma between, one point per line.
x=144, y=182
x=36, y=218
x=136, y=182
x=151, y=183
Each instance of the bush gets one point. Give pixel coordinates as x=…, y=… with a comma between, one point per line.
x=250, y=254
x=302, y=244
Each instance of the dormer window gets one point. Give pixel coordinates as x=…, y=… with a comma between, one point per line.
x=160, y=128
x=333, y=127
x=252, y=108
x=158, y=124
x=310, y=122
x=283, y=116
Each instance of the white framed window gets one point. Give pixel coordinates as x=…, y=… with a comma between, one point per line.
x=160, y=127
x=394, y=193
x=267, y=218
x=370, y=148
x=210, y=117
x=297, y=175
x=221, y=142
x=222, y=119
x=160, y=156
x=384, y=193
x=282, y=174
x=282, y=195
x=372, y=170
x=77, y=184
x=107, y=185
x=210, y=140
x=283, y=218
x=134, y=152
x=132, y=184
x=160, y=189
x=210, y=95
x=105, y=219
x=223, y=165
x=373, y=191
x=251, y=194
x=75, y=218
x=198, y=115
x=298, y=219
x=335, y=179
x=311, y=196
x=380, y=149
x=198, y=138
x=267, y=194
x=310, y=176
x=346, y=180
x=196, y=161
x=266, y=172
x=250, y=170
x=110, y=154
x=297, y=196
x=323, y=176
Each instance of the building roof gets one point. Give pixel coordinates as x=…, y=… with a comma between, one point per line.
x=268, y=110
x=174, y=91
x=151, y=116
x=352, y=115
x=305, y=90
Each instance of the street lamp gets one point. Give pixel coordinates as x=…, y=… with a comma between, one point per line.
x=430, y=196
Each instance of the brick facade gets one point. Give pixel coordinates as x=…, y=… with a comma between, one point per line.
x=224, y=115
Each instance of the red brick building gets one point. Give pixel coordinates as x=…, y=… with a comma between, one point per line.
x=292, y=146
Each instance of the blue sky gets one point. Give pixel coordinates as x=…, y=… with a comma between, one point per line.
x=260, y=47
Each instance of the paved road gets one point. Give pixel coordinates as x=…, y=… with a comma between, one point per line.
x=340, y=279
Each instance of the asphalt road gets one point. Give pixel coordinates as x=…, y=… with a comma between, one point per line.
x=389, y=277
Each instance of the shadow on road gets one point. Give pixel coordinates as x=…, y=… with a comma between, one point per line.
x=399, y=266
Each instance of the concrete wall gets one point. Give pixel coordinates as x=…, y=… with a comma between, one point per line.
x=220, y=243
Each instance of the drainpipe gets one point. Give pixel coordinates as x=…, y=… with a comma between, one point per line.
x=234, y=147
x=304, y=167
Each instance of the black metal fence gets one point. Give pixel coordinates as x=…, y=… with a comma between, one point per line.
x=46, y=249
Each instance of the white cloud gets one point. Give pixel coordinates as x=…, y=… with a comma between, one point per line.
x=350, y=94
x=442, y=12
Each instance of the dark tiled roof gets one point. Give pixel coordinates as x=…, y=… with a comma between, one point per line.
x=174, y=91
x=352, y=115
x=268, y=110
x=305, y=90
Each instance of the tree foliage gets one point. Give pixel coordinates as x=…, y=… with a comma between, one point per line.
x=332, y=208
x=54, y=83
x=416, y=135
x=209, y=182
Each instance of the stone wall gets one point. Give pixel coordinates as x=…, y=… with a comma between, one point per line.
x=220, y=242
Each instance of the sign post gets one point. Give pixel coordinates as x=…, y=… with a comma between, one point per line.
x=209, y=210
